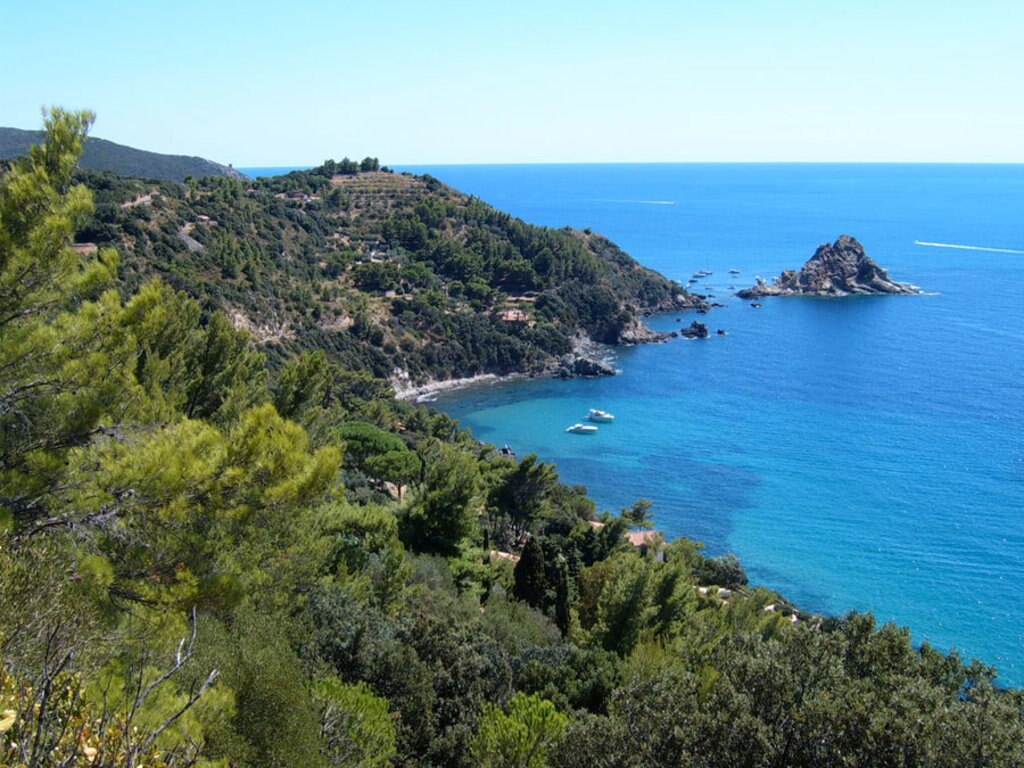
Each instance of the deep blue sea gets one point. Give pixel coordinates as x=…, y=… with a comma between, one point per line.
x=863, y=453
x=256, y=172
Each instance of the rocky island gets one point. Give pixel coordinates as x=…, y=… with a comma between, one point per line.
x=841, y=268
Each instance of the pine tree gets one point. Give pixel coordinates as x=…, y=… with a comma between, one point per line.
x=64, y=360
x=520, y=737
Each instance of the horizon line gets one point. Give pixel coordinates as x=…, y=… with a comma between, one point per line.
x=657, y=162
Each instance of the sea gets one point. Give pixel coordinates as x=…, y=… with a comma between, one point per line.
x=863, y=453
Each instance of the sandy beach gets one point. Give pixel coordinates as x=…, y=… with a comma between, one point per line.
x=424, y=393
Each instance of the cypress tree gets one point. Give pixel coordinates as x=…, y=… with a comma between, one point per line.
x=563, y=609
x=530, y=579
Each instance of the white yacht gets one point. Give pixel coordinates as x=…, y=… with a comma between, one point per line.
x=598, y=415
x=582, y=429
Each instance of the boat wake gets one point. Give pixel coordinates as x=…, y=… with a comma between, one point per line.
x=968, y=247
x=640, y=202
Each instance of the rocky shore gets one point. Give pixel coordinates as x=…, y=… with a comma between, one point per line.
x=587, y=358
x=841, y=268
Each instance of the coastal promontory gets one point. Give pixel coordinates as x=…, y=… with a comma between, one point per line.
x=841, y=268
x=397, y=275
x=103, y=155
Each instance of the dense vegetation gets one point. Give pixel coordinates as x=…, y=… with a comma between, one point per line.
x=389, y=273
x=206, y=562
x=103, y=155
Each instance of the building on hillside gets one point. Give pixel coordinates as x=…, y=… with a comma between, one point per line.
x=514, y=316
x=648, y=541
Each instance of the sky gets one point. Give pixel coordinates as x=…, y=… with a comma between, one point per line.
x=429, y=82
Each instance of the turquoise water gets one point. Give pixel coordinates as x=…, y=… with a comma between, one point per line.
x=865, y=453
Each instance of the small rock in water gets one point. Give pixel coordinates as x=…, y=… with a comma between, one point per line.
x=695, y=330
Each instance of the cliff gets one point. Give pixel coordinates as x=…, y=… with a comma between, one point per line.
x=841, y=268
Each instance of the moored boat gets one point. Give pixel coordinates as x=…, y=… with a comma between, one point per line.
x=599, y=415
x=582, y=429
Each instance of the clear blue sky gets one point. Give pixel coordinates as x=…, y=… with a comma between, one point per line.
x=275, y=83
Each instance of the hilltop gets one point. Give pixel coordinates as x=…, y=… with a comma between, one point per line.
x=103, y=155
x=396, y=274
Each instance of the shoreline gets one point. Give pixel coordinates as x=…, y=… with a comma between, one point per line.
x=426, y=393
x=582, y=348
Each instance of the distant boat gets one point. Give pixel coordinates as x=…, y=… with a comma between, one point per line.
x=734, y=271
x=582, y=429
x=598, y=415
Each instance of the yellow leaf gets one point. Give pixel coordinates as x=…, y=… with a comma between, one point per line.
x=7, y=718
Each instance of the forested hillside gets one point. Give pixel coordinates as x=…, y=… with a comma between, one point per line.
x=390, y=273
x=103, y=155
x=207, y=560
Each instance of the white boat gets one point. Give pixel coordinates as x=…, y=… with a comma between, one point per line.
x=582, y=429
x=598, y=415
x=734, y=271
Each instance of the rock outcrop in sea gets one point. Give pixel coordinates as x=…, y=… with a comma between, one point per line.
x=636, y=332
x=836, y=269
x=585, y=366
x=695, y=330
